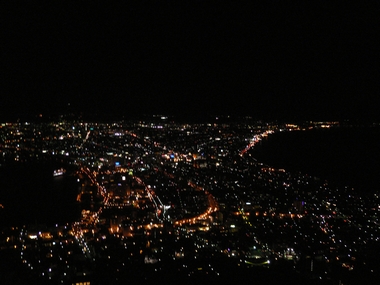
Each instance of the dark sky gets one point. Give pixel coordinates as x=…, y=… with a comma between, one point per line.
x=272, y=60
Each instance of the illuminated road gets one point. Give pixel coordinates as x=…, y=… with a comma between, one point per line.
x=255, y=140
x=213, y=207
x=153, y=197
x=89, y=221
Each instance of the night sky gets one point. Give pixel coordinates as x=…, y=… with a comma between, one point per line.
x=269, y=61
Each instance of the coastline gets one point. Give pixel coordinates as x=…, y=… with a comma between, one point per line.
x=342, y=156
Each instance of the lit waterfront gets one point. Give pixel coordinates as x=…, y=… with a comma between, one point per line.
x=159, y=195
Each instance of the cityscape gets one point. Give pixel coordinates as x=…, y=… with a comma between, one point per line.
x=161, y=201
x=167, y=143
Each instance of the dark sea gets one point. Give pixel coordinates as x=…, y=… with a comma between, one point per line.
x=344, y=156
x=31, y=195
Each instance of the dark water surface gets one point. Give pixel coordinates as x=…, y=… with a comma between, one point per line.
x=30, y=194
x=343, y=156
